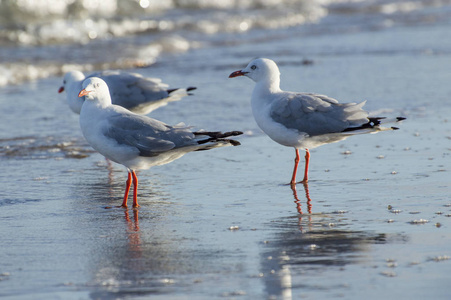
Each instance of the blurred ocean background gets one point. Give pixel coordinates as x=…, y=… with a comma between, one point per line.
x=221, y=224
x=43, y=38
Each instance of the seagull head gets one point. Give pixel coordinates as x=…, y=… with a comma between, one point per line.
x=69, y=78
x=95, y=88
x=260, y=69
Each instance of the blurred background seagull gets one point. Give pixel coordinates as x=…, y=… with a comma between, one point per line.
x=132, y=91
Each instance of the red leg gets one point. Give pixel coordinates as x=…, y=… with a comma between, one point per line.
x=135, y=189
x=127, y=189
x=307, y=161
x=296, y=163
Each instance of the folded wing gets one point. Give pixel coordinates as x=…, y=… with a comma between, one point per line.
x=151, y=137
x=131, y=89
x=317, y=114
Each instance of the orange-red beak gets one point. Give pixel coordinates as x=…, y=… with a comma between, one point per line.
x=61, y=89
x=237, y=73
x=83, y=93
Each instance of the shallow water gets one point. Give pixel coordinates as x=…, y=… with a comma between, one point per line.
x=221, y=224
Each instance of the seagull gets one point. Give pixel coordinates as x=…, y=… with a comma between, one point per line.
x=303, y=120
x=135, y=141
x=136, y=93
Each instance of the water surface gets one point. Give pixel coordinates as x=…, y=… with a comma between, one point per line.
x=222, y=224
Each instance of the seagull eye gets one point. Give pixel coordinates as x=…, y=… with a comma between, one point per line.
x=254, y=67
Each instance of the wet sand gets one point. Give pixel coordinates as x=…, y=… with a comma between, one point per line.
x=222, y=224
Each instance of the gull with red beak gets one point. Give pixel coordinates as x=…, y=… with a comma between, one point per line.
x=136, y=93
x=303, y=120
x=135, y=141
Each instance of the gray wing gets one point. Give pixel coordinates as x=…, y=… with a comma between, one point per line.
x=317, y=114
x=151, y=137
x=131, y=89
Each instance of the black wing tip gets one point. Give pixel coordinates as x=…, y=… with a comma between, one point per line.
x=231, y=142
x=232, y=133
x=188, y=89
x=234, y=143
x=217, y=136
x=374, y=122
x=191, y=88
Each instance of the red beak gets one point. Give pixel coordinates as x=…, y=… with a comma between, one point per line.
x=83, y=93
x=237, y=73
x=61, y=89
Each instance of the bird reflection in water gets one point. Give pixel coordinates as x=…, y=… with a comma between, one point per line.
x=298, y=202
x=133, y=233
